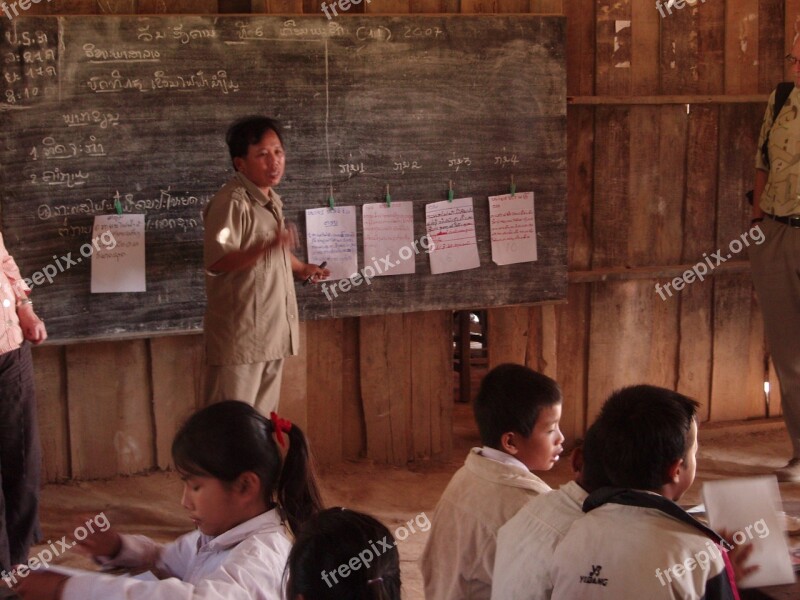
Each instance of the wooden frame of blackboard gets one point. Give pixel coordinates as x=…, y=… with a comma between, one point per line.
x=361, y=99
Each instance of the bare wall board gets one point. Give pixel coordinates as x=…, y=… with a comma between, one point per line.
x=96, y=109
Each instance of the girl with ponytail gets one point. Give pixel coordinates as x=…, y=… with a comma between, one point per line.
x=248, y=484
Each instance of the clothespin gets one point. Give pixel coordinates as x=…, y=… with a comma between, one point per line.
x=331, y=200
x=450, y=192
x=388, y=196
x=513, y=187
x=118, y=205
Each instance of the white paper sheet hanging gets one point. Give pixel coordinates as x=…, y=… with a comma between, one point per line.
x=451, y=229
x=331, y=237
x=117, y=253
x=513, y=226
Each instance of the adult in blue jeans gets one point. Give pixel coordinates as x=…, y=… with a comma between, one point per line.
x=20, y=453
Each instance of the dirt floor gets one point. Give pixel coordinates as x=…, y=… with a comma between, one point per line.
x=150, y=504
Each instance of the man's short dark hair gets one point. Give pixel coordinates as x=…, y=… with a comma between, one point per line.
x=248, y=131
x=644, y=429
x=510, y=399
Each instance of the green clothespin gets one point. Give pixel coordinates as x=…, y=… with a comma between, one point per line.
x=331, y=200
x=118, y=205
x=388, y=196
x=450, y=193
x=513, y=187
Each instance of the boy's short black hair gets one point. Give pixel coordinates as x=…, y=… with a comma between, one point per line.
x=335, y=537
x=644, y=429
x=593, y=474
x=510, y=399
x=248, y=131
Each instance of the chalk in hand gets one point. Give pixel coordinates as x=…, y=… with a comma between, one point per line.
x=310, y=277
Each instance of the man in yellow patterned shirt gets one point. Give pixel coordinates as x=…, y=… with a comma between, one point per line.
x=776, y=262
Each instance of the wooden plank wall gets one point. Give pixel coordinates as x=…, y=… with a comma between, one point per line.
x=652, y=187
x=657, y=172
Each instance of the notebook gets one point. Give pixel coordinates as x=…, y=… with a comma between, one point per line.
x=748, y=509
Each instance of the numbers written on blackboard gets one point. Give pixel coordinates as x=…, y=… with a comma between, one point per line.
x=384, y=34
x=25, y=93
x=31, y=73
x=422, y=32
x=378, y=34
x=30, y=57
x=30, y=66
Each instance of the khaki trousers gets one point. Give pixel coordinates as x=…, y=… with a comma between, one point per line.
x=776, y=276
x=258, y=384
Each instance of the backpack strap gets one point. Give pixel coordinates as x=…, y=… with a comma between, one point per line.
x=781, y=96
x=782, y=93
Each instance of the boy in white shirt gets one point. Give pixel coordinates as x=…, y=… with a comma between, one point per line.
x=634, y=540
x=517, y=411
x=526, y=543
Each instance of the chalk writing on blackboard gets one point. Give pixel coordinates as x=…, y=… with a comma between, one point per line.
x=55, y=150
x=86, y=118
x=351, y=169
x=116, y=82
x=456, y=163
x=347, y=121
x=406, y=165
x=102, y=55
x=57, y=177
x=506, y=160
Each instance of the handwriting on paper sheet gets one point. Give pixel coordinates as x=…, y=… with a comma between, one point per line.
x=119, y=267
x=388, y=230
x=513, y=228
x=451, y=228
x=331, y=237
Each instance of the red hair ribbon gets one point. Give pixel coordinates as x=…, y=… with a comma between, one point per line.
x=280, y=426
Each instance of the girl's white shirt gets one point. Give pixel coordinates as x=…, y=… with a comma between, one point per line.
x=244, y=563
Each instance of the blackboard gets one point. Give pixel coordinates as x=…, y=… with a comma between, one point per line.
x=96, y=109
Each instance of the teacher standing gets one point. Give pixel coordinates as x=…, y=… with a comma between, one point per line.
x=776, y=262
x=251, y=321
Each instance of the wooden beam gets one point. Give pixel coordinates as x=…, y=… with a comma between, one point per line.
x=659, y=272
x=681, y=99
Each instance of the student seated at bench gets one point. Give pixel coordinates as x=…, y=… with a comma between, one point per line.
x=517, y=411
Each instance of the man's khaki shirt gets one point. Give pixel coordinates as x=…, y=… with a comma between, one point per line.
x=251, y=315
